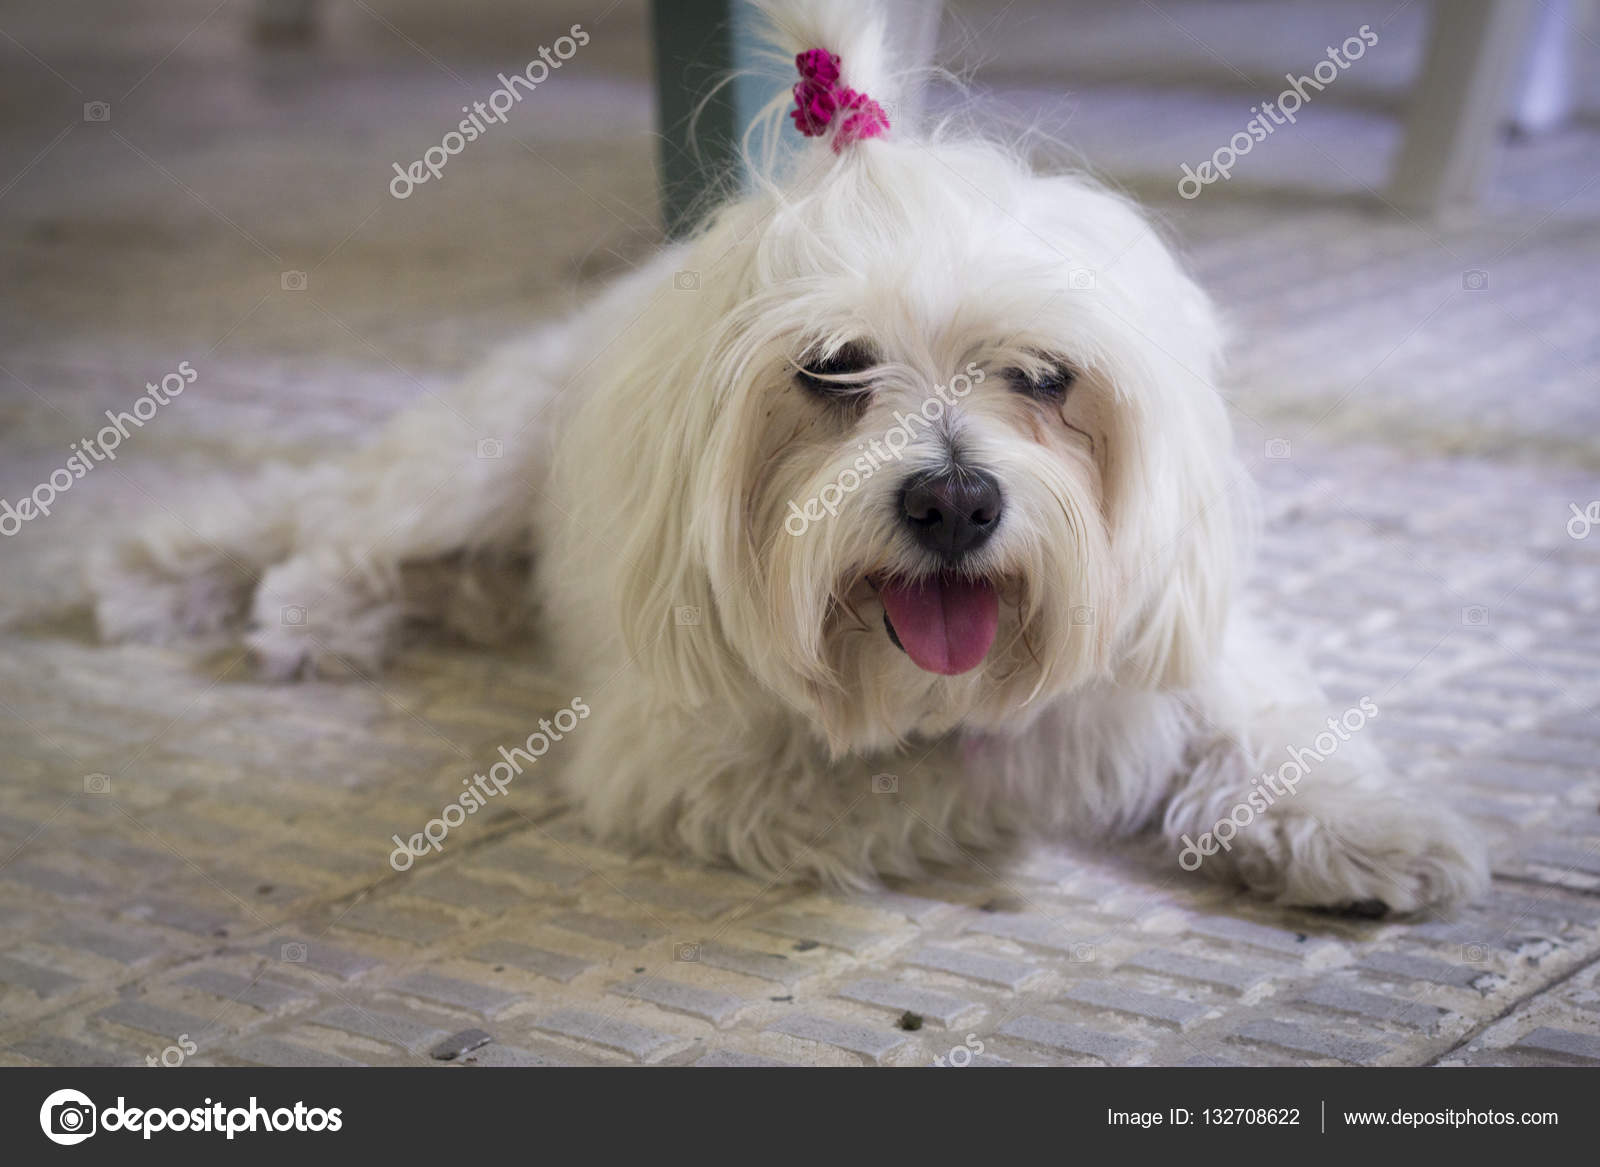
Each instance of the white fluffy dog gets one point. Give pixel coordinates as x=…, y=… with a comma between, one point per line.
x=890, y=521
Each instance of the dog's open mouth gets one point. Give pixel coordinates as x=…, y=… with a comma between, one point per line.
x=945, y=623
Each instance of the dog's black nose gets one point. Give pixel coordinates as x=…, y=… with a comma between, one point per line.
x=952, y=511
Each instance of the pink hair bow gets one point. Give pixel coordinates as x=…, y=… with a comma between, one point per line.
x=819, y=98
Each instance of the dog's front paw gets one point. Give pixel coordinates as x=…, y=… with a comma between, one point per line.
x=318, y=615
x=1362, y=853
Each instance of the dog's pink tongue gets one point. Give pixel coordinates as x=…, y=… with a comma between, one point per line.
x=945, y=624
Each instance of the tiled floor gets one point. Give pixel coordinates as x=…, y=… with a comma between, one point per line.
x=191, y=857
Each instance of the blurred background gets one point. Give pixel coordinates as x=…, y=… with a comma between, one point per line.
x=1409, y=275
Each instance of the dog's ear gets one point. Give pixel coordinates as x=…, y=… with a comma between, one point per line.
x=1180, y=510
x=1179, y=570
x=659, y=427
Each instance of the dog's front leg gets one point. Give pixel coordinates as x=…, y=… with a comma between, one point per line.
x=1286, y=793
x=415, y=525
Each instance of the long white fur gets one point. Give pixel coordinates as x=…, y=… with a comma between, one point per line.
x=652, y=445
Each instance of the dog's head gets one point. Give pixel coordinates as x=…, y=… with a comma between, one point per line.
x=943, y=444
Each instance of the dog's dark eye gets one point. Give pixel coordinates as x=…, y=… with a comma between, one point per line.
x=1048, y=384
x=837, y=374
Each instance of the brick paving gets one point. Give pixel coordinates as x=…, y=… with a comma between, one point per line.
x=190, y=854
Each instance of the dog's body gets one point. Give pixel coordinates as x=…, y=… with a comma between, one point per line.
x=1019, y=622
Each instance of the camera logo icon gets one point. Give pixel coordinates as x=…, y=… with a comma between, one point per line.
x=686, y=616
x=294, y=952
x=1475, y=616
x=1082, y=615
x=1475, y=280
x=489, y=448
x=885, y=784
x=1277, y=450
x=1474, y=953
x=294, y=616
x=687, y=953
x=1081, y=279
x=67, y=1117
x=686, y=281
x=1082, y=954
x=293, y=281
x=97, y=783
x=97, y=111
